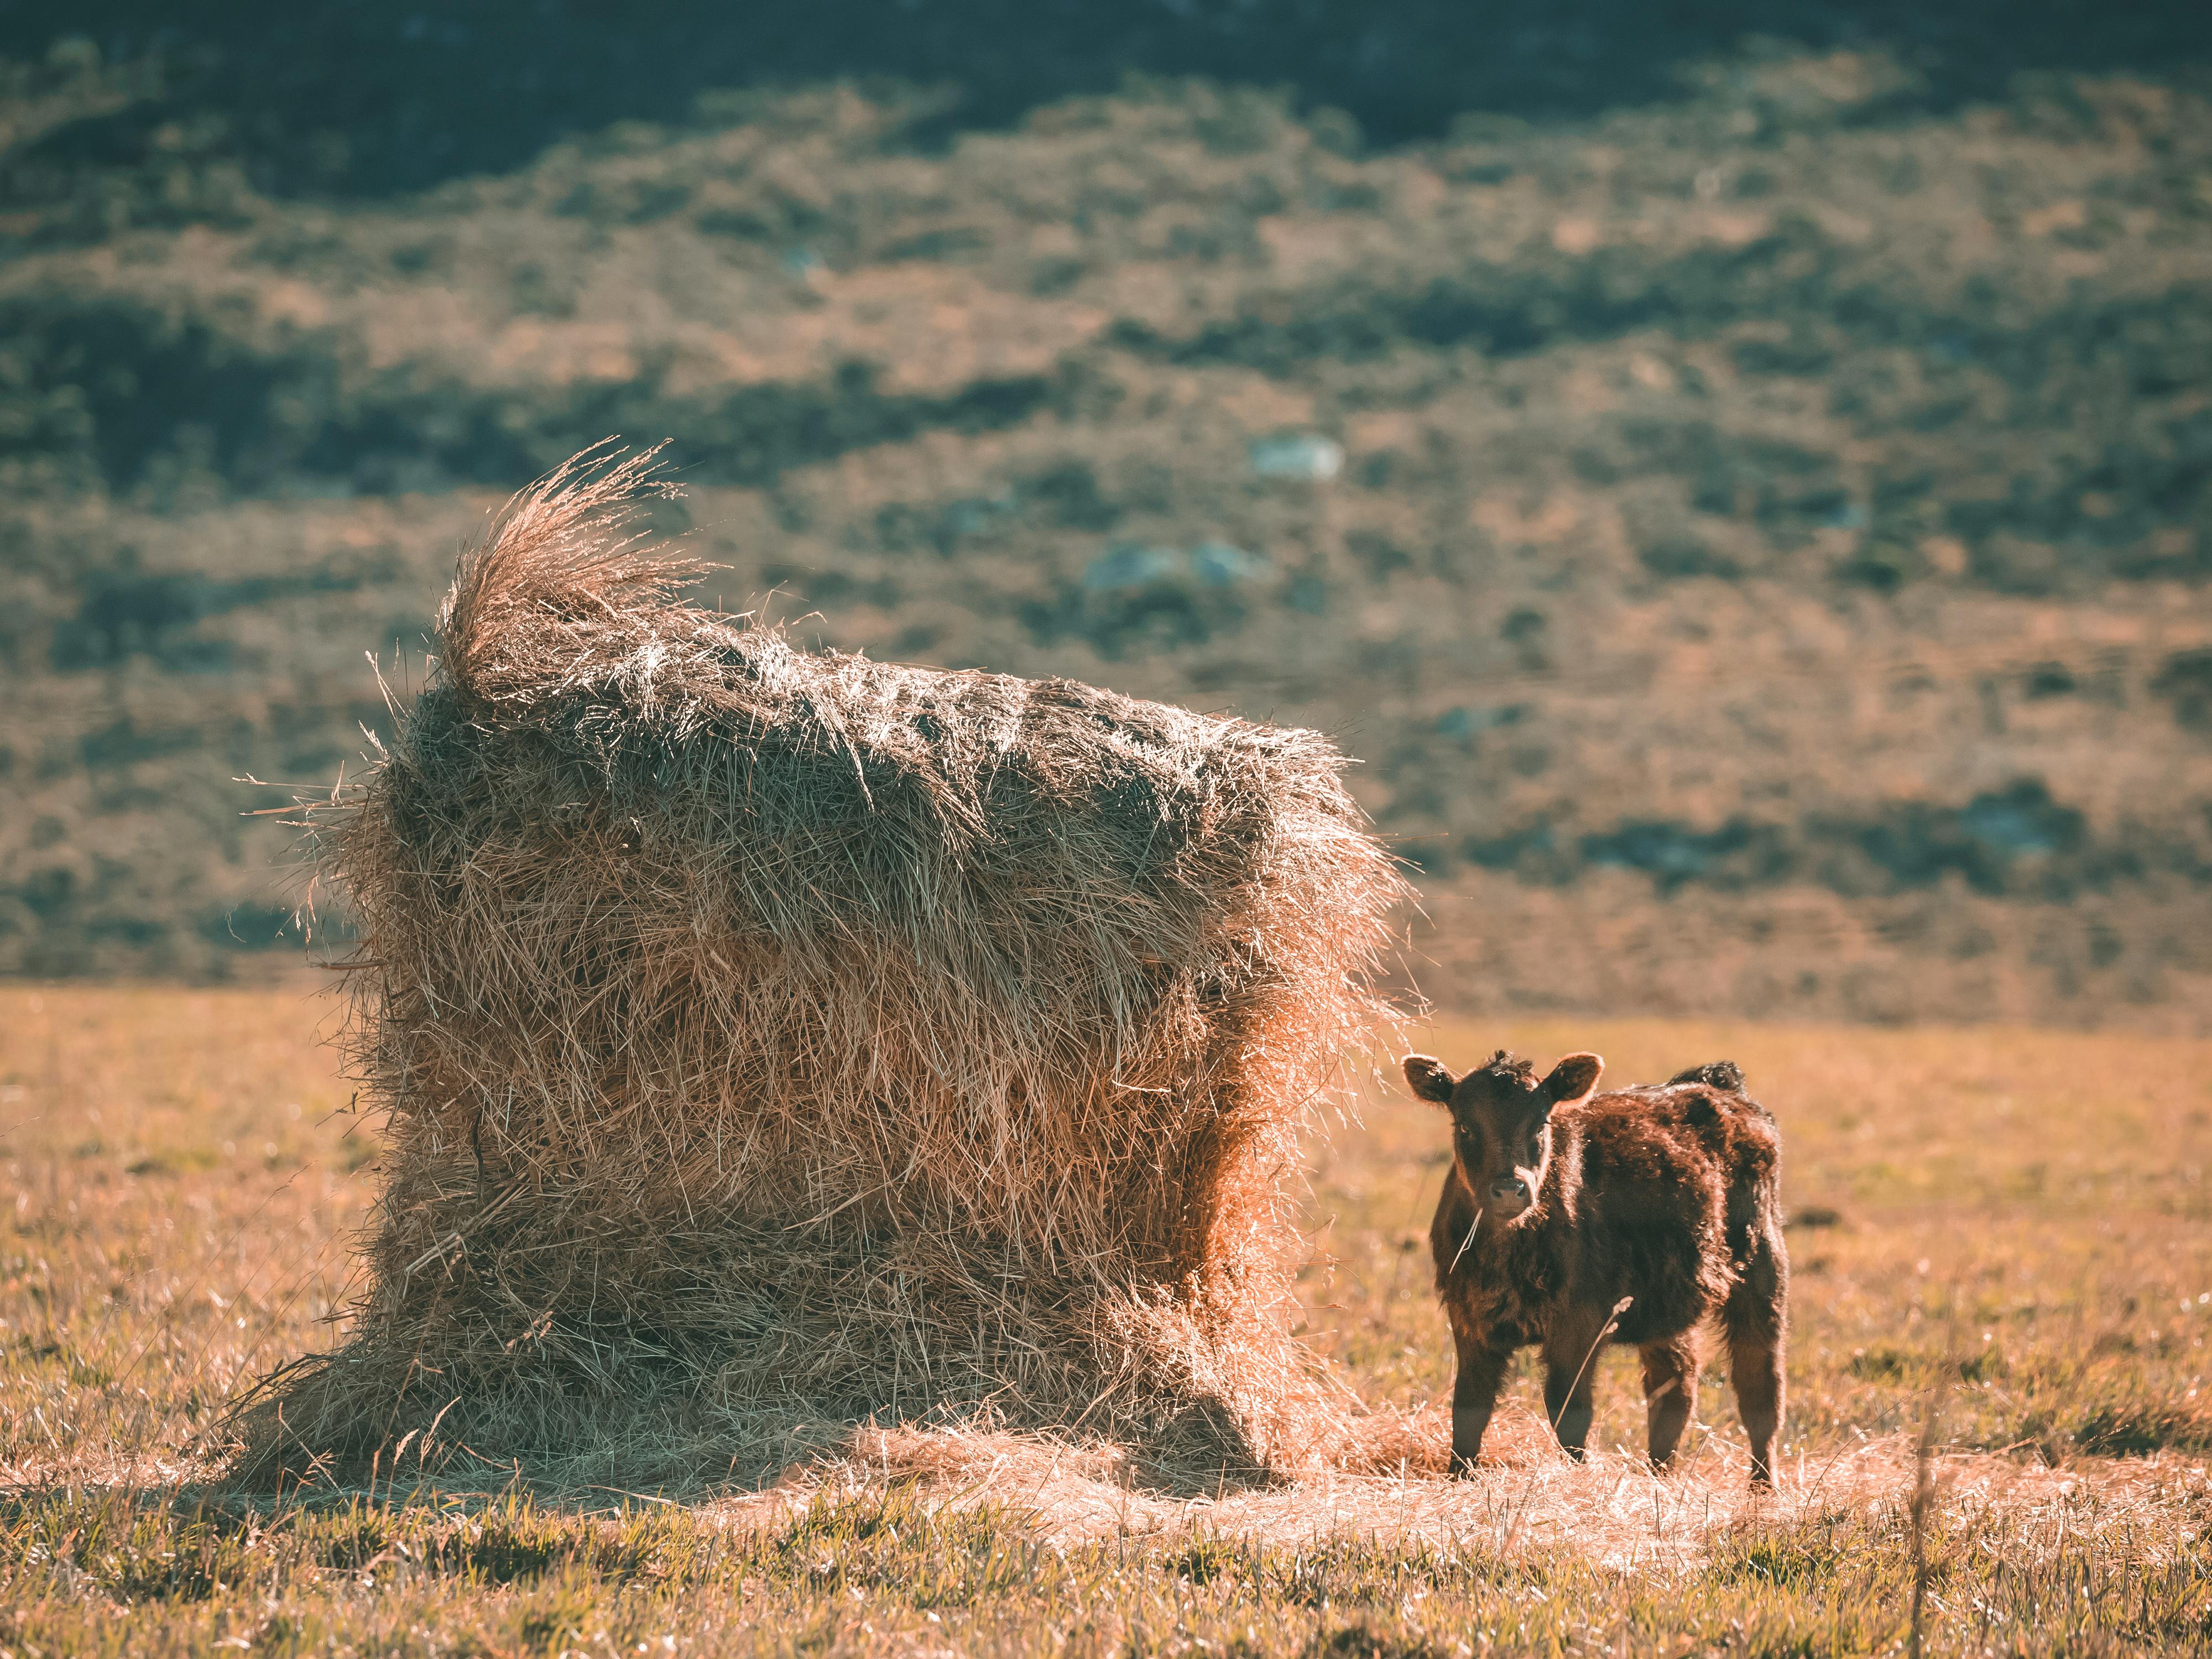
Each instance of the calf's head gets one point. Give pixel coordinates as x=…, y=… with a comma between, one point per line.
x=1501, y=1114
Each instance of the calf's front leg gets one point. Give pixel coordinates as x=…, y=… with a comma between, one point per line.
x=1481, y=1373
x=1570, y=1371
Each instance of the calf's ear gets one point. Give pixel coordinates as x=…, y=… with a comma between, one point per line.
x=1573, y=1077
x=1427, y=1077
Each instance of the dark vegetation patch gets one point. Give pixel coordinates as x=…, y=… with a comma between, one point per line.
x=74, y=922
x=368, y=102
x=1374, y=1639
x=1503, y=311
x=2140, y=1430
x=1800, y=1559
x=1064, y=494
x=1174, y=611
x=129, y=613
x=102, y=390
x=2133, y=1426
x=2186, y=679
x=2018, y=841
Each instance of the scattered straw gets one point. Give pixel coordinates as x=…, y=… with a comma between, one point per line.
x=1526, y=1500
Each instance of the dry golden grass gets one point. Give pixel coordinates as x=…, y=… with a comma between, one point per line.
x=2016, y=1217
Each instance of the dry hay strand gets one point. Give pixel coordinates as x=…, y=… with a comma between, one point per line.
x=769, y=1039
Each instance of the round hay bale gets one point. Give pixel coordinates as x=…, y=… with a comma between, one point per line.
x=769, y=1039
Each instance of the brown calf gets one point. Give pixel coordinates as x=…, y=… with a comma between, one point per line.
x=1572, y=1218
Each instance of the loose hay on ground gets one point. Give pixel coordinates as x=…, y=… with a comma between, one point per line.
x=769, y=1040
x=1527, y=1502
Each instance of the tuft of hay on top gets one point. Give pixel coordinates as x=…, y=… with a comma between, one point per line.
x=771, y=1039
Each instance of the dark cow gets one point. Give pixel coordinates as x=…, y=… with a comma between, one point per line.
x=1572, y=1218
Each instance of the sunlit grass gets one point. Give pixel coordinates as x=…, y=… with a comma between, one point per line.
x=2016, y=1219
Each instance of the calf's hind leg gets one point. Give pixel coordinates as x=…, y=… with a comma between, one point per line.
x=1670, y=1393
x=1756, y=1317
x=1755, y=1369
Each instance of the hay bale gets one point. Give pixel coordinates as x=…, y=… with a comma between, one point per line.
x=769, y=1038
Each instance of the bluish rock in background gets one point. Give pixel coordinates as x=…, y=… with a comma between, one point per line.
x=1217, y=564
x=1130, y=565
x=1210, y=564
x=1300, y=455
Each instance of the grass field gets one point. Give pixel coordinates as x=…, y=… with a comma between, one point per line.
x=2007, y=1229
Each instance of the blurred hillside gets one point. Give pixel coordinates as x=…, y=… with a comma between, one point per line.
x=1747, y=502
